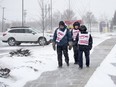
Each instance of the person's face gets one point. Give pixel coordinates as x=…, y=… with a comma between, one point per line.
x=61, y=26
x=76, y=27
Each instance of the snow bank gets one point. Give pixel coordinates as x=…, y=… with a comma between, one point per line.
x=101, y=77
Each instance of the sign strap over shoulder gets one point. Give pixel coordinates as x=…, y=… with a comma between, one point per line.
x=60, y=35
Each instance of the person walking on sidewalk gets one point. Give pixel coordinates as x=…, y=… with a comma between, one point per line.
x=62, y=38
x=74, y=33
x=85, y=41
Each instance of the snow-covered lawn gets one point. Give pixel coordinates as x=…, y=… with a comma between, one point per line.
x=102, y=75
x=43, y=59
x=24, y=69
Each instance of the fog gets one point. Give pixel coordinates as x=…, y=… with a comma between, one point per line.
x=100, y=8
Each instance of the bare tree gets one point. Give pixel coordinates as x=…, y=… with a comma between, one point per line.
x=45, y=8
x=114, y=19
x=89, y=19
x=68, y=15
x=57, y=16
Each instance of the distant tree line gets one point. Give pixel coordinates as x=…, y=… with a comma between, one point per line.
x=113, y=21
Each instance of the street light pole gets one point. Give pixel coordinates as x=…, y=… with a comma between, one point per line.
x=51, y=14
x=3, y=19
x=69, y=11
x=22, y=12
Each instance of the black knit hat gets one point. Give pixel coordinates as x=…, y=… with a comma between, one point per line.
x=76, y=24
x=61, y=23
x=83, y=28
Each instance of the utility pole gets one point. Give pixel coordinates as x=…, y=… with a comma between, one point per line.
x=43, y=17
x=24, y=17
x=3, y=19
x=22, y=12
x=69, y=11
x=51, y=14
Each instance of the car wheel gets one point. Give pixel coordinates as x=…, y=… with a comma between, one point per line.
x=42, y=41
x=18, y=43
x=11, y=42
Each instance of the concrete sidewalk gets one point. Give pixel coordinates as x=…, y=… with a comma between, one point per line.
x=71, y=76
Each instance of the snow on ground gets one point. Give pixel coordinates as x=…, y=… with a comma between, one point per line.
x=101, y=77
x=24, y=69
x=43, y=59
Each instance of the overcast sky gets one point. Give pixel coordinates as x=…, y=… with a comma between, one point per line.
x=100, y=8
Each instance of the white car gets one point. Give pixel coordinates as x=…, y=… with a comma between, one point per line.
x=17, y=35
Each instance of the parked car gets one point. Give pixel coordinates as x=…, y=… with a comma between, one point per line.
x=17, y=35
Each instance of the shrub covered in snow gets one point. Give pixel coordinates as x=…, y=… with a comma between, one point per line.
x=20, y=53
x=4, y=73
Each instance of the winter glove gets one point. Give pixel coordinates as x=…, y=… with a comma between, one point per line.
x=54, y=46
x=90, y=47
x=70, y=45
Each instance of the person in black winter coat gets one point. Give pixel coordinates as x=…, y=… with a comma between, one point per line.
x=74, y=33
x=85, y=41
x=62, y=38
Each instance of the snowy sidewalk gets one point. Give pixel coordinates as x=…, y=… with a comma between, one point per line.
x=71, y=76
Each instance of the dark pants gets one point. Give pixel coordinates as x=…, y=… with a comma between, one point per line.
x=87, y=53
x=75, y=50
x=64, y=50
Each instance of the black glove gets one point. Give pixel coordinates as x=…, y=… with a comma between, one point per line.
x=54, y=46
x=70, y=47
x=90, y=47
